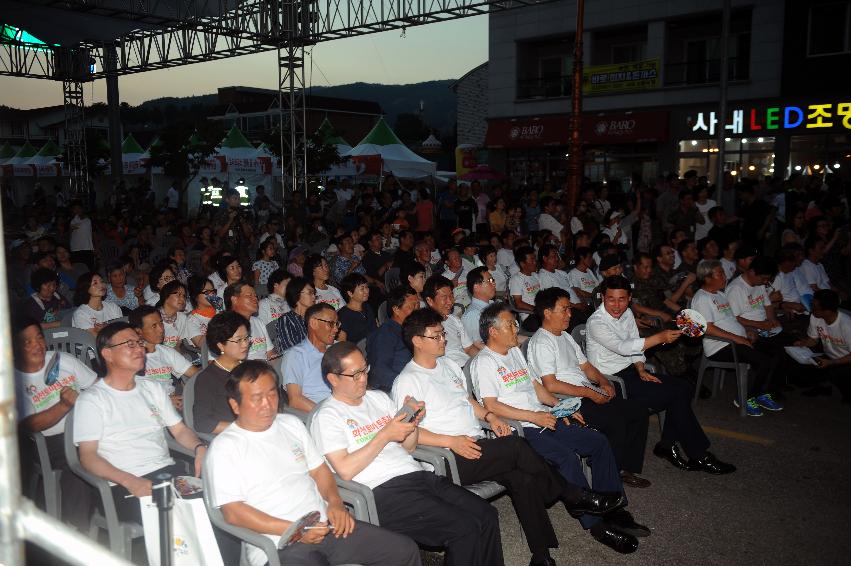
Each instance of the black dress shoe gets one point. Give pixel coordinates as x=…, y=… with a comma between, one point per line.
x=710, y=464
x=623, y=521
x=595, y=503
x=548, y=561
x=672, y=455
x=618, y=541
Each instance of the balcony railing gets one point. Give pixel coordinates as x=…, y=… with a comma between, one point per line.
x=544, y=87
x=704, y=72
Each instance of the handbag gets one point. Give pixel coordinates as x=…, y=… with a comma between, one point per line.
x=192, y=534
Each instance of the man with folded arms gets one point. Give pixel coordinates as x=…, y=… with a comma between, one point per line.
x=365, y=439
x=559, y=363
x=265, y=473
x=502, y=378
x=615, y=348
x=453, y=422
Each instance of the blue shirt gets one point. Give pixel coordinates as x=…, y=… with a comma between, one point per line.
x=471, y=317
x=386, y=354
x=303, y=367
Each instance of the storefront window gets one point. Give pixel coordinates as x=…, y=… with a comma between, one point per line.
x=748, y=157
x=818, y=154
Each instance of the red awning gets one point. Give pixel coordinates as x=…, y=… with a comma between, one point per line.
x=597, y=129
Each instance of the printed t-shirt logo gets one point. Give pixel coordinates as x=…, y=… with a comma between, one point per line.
x=828, y=338
x=258, y=343
x=171, y=341
x=512, y=378
x=159, y=374
x=365, y=433
x=47, y=397
x=723, y=308
x=298, y=452
x=756, y=302
x=333, y=301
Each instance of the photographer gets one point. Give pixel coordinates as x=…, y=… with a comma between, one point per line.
x=234, y=224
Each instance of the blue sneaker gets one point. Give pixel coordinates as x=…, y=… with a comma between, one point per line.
x=766, y=402
x=752, y=409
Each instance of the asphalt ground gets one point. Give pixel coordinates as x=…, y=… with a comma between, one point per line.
x=788, y=502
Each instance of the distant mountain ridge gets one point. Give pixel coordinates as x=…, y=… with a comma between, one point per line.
x=437, y=98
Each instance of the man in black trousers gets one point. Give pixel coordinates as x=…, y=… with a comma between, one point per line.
x=452, y=422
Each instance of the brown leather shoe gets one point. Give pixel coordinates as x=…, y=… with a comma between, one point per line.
x=632, y=480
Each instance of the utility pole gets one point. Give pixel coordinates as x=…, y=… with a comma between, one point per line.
x=575, y=165
x=722, y=103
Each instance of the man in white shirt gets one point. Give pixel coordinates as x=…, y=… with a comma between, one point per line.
x=456, y=273
x=460, y=346
x=502, y=380
x=524, y=285
x=47, y=385
x=366, y=439
x=581, y=279
x=483, y=289
x=172, y=198
x=557, y=362
x=785, y=282
x=711, y=301
x=163, y=365
x=302, y=367
x=265, y=473
x=551, y=276
x=812, y=270
x=242, y=299
x=82, y=247
x=119, y=422
x=547, y=219
x=453, y=422
x=505, y=254
x=615, y=348
x=832, y=328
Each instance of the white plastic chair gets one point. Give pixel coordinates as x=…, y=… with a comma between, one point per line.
x=740, y=369
x=50, y=477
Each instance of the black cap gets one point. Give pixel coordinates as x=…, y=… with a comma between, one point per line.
x=609, y=261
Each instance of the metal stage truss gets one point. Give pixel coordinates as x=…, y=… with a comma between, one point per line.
x=172, y=33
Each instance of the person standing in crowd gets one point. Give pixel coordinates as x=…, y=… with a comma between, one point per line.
x=234, y=224
x=228, y=340
x=614, y=347
x=376, y=451
x=82, y=243
x=266, y=473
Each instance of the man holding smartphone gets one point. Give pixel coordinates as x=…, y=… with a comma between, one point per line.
x=364, y=438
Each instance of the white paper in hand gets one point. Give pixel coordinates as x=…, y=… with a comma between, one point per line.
x=802, y=355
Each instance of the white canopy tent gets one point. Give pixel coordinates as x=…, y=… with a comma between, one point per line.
x=396, y=158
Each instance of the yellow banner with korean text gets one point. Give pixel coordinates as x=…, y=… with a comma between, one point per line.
x=625, y=77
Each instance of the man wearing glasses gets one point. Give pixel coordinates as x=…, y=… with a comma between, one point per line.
x=482, y=287
x=453, y=422
x=460, y=347
x=365, y=439
x=241, y=298
x=119, y=422
x=302, y=367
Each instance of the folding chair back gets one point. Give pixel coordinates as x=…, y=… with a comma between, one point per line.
x=79, y=343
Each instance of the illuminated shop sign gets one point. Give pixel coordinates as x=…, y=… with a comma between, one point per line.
x=812, y=117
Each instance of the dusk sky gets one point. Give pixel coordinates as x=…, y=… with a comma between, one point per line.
x=436, y=51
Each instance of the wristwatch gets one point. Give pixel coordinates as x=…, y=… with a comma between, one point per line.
x=200, y=444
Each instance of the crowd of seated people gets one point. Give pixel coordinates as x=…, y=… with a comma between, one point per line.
x=311, y=327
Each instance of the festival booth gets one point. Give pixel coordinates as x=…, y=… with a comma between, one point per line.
x=245, y=163
x=328, y=135
x=134, y=159
x=24, y=175
x=7, y=152
x=381, y=152
x=47, y=162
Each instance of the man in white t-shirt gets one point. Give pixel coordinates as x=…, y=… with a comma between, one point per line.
x=832, y=328
x=786, y=282
x=119, y=423
x=812, y=270
x=172, y=198
x=582, y=279
x=302, y=367
x=558, y=363
x=524, y=285
x=551, y=276
x=711, y=301
x=163, y=365
x=242, y=299
x=456, y=274
x=365, y=439
x=460, y=346
x=46, y=387
x=265, y=473
x=547, y=219
x=502, y=380
x=82, y=246
x=505, y=254
x=453, y=422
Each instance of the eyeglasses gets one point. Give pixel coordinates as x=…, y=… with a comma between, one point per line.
x=437, y=337
x=490, y=280
x=361, y=373
x=241, y=340
x=129, y=343
x=334, y=323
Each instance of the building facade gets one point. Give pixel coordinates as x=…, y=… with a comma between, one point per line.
x=651, y=88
